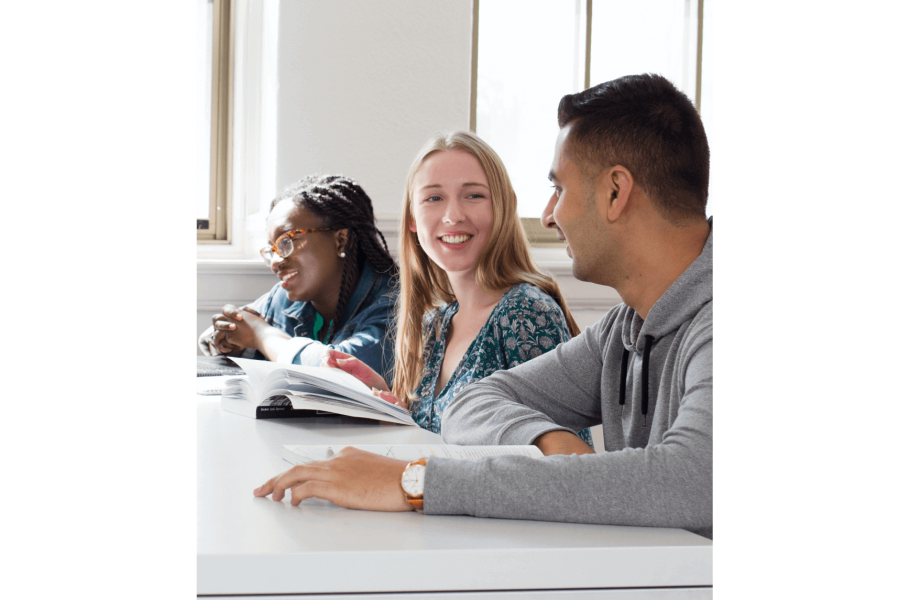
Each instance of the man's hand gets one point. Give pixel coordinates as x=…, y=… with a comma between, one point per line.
x=352, y=479
x=562, y=442
x=363, y=372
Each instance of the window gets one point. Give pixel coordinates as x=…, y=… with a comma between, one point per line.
x=527, y=57
x=213, y=203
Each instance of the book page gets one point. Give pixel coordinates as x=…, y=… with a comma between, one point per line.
x=331, y=379
x=331, y=375
x=256, y=370
x=259, y=370
x=329, y=406
x=300, y=455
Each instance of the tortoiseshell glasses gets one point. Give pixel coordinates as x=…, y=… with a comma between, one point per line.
x=287, y=243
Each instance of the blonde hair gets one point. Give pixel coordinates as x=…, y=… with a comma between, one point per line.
x=505, y=260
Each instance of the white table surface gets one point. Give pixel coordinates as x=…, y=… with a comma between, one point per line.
x=249, y=545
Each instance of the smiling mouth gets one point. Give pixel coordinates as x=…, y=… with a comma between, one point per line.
x=286, y=276
x=455, y=239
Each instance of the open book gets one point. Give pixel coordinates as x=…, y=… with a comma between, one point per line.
x=300, y=455
x=273, y=390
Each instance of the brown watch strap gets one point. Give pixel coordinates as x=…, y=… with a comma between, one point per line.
x=417, y=502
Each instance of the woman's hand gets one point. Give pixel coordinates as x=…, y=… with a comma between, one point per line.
x=207, y=346
x=352, y=479
x=238, y=328
x=221, y=337
x=363, y=372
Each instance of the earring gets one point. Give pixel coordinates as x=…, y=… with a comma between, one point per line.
x=343, y=255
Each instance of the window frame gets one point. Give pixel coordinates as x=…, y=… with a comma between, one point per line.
x=539, y=236
x=217, y=229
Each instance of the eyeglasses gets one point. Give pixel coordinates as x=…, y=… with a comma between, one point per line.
x=287, y=243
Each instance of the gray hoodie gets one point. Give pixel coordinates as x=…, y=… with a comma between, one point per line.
x=657, y=422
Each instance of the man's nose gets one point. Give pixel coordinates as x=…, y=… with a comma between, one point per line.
x=547, y=215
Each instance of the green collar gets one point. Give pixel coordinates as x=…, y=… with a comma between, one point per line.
x=317, y=327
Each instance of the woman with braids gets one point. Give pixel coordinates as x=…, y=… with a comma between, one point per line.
x=335, y=276
x=471, y=298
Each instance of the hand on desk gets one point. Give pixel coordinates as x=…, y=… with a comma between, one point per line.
x=352, y=479
x=363, y=372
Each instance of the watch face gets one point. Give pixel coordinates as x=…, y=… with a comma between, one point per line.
x=413, y=481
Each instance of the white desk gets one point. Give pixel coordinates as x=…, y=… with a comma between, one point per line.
x=250, y=546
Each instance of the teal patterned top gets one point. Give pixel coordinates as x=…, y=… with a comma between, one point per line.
x=524, y=324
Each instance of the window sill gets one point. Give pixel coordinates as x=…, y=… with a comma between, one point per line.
x=555, y=261
x=223, y=281
x=235, y=273
x=208, y=266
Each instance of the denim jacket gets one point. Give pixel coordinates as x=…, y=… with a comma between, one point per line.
x=363, y=329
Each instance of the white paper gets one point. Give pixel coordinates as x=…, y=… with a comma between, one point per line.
x=300, y=455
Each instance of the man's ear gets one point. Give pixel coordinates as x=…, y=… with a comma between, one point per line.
x=621, y=185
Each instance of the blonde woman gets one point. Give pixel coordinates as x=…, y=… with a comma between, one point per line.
x=471, y=298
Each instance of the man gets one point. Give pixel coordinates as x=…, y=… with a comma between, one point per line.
x=630, y=175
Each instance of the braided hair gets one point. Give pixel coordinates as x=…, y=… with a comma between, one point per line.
x=341, y=203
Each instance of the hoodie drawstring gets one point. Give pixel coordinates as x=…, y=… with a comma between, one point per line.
x=645, y=378
x=622, y=378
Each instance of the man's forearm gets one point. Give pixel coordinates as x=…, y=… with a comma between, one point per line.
x=517, y=406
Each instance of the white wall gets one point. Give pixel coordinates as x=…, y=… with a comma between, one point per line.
x=354, y=88
x=363, y=85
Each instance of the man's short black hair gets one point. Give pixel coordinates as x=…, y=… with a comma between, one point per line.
x=648, y=126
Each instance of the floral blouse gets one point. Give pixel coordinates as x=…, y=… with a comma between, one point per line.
x=524, y=324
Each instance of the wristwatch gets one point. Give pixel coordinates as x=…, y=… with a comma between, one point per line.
x=413, y=483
